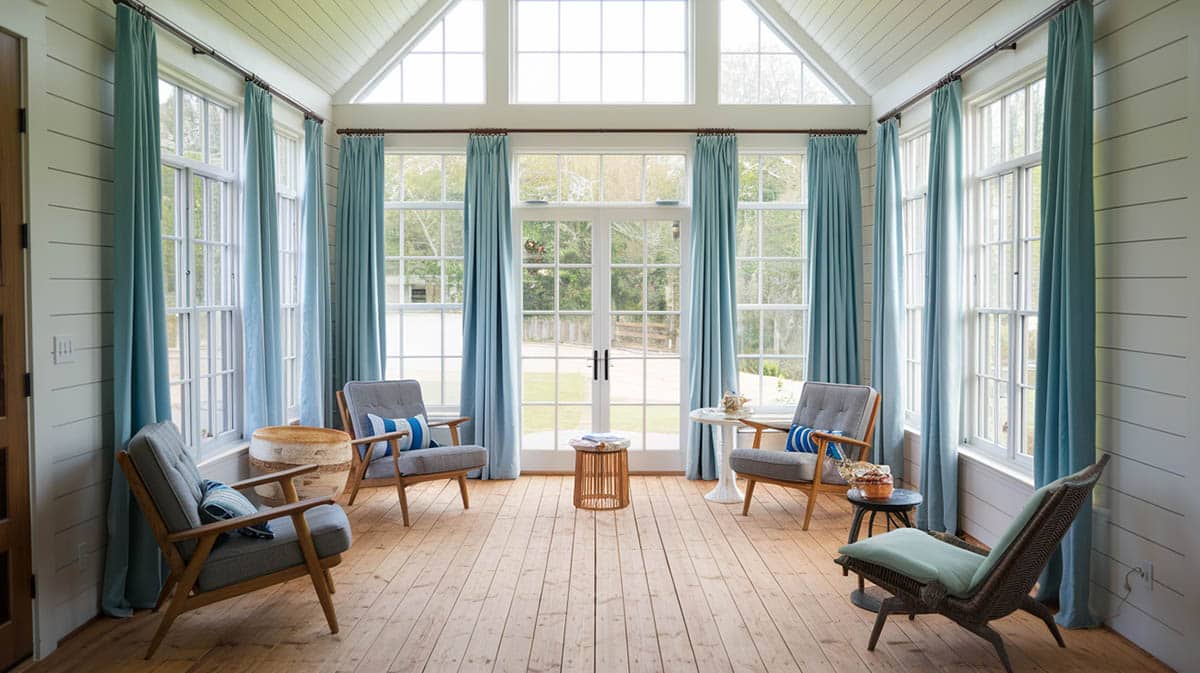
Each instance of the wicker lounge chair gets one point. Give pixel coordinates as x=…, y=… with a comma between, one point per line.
x=1002, y=578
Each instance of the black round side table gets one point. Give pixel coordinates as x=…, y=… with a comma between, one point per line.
x=895, y=511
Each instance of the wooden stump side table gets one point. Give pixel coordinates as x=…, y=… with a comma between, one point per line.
x=601, y=475
x=279, y=447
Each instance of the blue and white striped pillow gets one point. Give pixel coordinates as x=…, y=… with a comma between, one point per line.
x=418, y=436
x=800, y=440
x=221, y=503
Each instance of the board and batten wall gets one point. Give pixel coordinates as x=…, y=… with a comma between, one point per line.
x=1147, y=95
x=69, y=46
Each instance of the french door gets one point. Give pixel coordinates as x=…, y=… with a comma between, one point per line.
x=603, y=330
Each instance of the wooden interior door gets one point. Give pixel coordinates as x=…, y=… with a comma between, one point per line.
x=16, y=587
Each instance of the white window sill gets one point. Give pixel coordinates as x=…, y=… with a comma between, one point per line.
x=983, y=458
x=224, y=453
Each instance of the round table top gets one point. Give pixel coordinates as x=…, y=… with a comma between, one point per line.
x=588, y=446
x=717, y=416
x=902, y=500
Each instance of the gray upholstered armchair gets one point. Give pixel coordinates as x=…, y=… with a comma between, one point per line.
x=831, y=407
x=309, y=535
x=374, y=466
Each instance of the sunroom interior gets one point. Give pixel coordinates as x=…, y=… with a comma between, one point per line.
x=605, y=335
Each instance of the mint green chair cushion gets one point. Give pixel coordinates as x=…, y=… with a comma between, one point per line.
x=1014, y=529
x=919, y=555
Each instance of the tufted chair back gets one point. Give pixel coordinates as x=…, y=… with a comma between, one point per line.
x=835, y=406
x=170, y=476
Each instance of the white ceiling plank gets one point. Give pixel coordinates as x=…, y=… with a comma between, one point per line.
x=274, y=30
x=390, y=50
x=813, y=50
x=938, y=33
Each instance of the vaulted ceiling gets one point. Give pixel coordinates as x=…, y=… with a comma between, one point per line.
x=872, y=40
x=326, y=41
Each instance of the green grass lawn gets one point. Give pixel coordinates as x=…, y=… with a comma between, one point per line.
x=539, y=386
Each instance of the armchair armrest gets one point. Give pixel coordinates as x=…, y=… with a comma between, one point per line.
x=279, y=476
x=764, y=426
x=385, y=437
x=838, y=439
x=451, y=422
x=227, y=525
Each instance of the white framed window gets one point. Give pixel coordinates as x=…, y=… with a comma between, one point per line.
x=444, y=65
x=200, y=262
x=287, y=189
x=601, y=51
x=601, y=178
x=760, y=67
x=1004, y=230
x=914, y=176
x=772, y=277
x=423, y=244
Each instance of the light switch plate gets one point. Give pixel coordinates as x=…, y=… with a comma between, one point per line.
x=64, y=349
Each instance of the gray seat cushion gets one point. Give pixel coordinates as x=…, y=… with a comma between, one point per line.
x=240, y=558
x=386, y=399
x=430, y=461
x=783, y=465
x=170, y=476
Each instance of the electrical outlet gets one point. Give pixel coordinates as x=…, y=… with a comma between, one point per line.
x=64, y=349
x=1146, y=575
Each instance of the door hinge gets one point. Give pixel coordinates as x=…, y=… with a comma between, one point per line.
x=22, y=121
x=25, y=235
x=28, y=385
x=33, y=586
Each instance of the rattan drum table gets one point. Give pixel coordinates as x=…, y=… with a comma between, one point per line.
x=601, y=473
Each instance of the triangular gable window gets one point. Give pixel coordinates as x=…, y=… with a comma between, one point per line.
x=760, y=67
x=444, y=65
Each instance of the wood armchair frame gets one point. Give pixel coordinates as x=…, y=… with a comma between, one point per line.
x=183, y=573
x=822, y=440
x=358, y=469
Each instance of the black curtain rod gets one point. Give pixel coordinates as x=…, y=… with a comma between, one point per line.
x=1007, y=43
x=199, y=47
x=698, y=131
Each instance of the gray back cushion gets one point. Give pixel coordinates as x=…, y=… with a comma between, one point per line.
x=834, y=406
x=386, y=399
x=170, y=475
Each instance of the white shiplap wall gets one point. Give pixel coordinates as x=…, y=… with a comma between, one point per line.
x=1146, y=100
x=70, y=47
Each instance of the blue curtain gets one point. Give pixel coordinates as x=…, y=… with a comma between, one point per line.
x=712, y=366
x=491, y=339
x=262, y=381
x=1065, y=398
x=887, y=303
x=359, y=344
x=941, y=366
x=140, y=392
x=316, y=387
x=835, y=259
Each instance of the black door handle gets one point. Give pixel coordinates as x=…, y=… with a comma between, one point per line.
x=595, y=365
x=605, y=364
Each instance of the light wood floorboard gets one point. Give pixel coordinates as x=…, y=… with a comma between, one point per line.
x=523, y=581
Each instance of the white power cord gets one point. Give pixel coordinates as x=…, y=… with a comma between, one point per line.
x=1128, y=590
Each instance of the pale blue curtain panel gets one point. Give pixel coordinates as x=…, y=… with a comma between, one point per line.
x=133, y=569
x=316, y=385
x=887, y=302
x=941, y=354
x=262, y=381
x=1065, y=395
x=491, y=336
x=834, y=259
x=712, y=365
x=359, y=342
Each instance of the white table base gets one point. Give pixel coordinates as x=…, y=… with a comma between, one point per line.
x=727, y=490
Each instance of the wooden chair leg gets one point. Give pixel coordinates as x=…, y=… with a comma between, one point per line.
x=329, y=581
x=178, y=602
x=403, y=501
x=462, y=488
x=165, y=591
x=749, y=494
x=887, y=607
x=808, y=509
x=356, y=477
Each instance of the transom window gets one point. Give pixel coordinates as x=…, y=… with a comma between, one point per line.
x=601, y=51
x=760, y=67
x=772, y=277
x=200, y=266
x=1005, y=227
x=444, y=66
x=423, y=249
x=591, y=178
x=287, y=177
x=914, y=176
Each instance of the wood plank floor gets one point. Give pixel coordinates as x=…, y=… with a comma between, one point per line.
x=525, y=582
